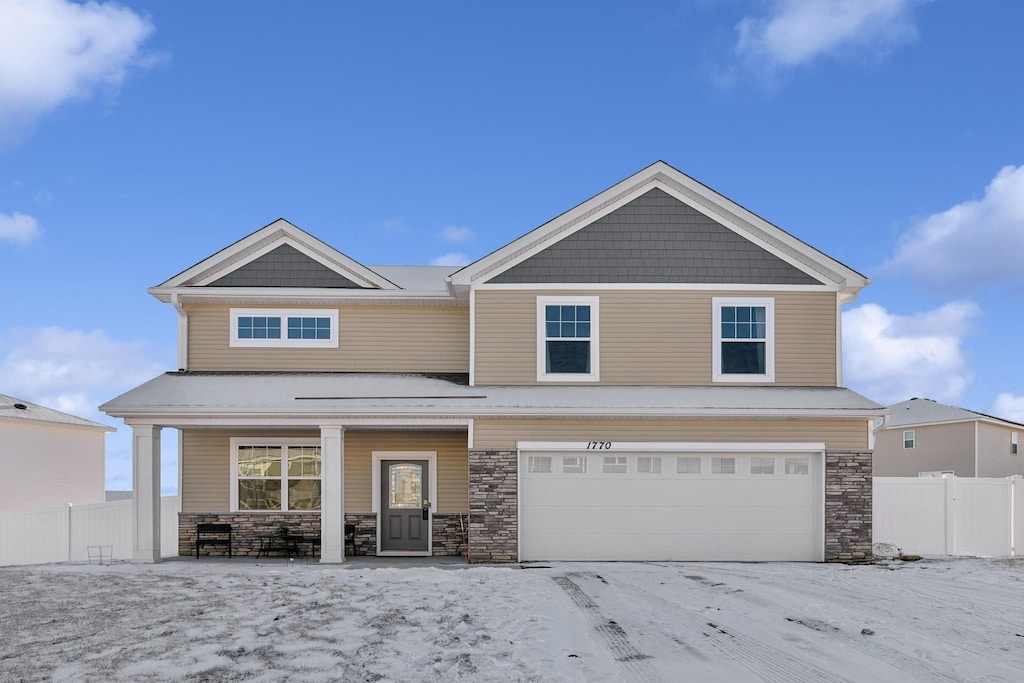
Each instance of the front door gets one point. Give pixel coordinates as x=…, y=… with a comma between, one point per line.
x=404, y=509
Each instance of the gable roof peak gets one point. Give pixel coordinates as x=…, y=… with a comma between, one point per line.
x=266, y=239
x=685, y=189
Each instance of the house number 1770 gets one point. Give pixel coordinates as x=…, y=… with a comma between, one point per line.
x=599, y=445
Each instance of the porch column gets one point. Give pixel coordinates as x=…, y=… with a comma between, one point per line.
x=146, y=493
x=332, y=494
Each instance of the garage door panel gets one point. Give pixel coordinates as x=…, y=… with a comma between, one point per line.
x=669, y=516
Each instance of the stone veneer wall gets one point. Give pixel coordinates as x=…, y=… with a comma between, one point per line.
x=247, y=527
x=493, y=506
x=848, y=485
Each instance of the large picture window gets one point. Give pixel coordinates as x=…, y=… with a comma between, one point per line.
x=284, y=327
x=567, y=338
x=743, y=348
x=275, y=475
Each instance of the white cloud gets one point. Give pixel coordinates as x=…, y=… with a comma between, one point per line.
x=1009, y=407
x=71, y=370
x=796, y=32
x=890, y=358
x=450, y=259
x=18, y=228
x=54, y=51
x=975, y=243
x=455, y=233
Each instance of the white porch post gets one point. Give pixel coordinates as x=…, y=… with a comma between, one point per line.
x=146, y=493
x=332, y=494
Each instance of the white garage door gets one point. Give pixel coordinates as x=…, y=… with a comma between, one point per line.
x=671, y=506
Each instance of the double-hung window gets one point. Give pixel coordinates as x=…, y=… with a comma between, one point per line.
x=743, y=348
x=305, y=327
x=269, y=474
x=909, y=438
x=567, y=339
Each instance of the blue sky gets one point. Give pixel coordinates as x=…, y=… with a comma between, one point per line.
x=138, y=138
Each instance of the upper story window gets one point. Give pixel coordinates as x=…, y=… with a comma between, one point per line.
x=1013, y=443
x=275, y=475
x=567, y=339
x=306, y=327
x=908, y=438
x=743, y=348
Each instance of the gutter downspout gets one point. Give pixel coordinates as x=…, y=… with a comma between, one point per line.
x=182, y=333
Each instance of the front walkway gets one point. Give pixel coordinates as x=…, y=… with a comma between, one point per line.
x=357, y=562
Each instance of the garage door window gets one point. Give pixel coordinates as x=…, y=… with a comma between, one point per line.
x=614, y=465
x=687, y=465
x=797, y=465
x=539, y=465
x=762, y=465
x=723, y=465
x=647, y=465
x=576, y=464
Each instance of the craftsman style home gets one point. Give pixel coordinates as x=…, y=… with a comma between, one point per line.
x=653, y=375
x=922, y=437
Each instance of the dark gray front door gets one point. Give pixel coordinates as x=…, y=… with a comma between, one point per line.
x=403, y=496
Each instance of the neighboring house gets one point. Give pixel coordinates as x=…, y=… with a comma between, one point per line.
x=922, y=437
x=653, y=375
x=48, y=457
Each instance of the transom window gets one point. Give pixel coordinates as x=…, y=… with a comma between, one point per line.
x=284, y=327
x=275, y=475
x=744, y=339
x=567, y=338
x=909, y=438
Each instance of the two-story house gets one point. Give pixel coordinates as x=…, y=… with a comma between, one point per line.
x=922, y=437
x=653, y=375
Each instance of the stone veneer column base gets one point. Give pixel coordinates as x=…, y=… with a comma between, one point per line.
x=493, y=506
x=848, y=486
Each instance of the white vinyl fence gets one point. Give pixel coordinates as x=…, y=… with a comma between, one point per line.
x=950, y=515
x=64, y=534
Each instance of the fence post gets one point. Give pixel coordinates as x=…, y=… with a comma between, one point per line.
x=67, y=532
x=950, y=480
x=1014, y=480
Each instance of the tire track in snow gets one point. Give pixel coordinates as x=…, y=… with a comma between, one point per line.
x=763, y=660
x=625, y=653
x=914, y=667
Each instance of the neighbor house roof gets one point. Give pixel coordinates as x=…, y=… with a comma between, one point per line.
x=17, y=409
x=326, y=396
x=924, y=411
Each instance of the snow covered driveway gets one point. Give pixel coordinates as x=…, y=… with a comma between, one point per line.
x=949, y=620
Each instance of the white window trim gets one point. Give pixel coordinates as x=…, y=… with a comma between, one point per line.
x=284, y=443
x=595, y=364
x=912, y=439
x=717, y=303
x=284, y=314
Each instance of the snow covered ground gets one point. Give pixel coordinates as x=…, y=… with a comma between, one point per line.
x=935, y=620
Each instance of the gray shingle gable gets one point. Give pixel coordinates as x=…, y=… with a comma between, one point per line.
x=655, y=239
x=284, y=266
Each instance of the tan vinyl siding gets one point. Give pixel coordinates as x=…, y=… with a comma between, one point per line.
x=837, y=435
x=372, y=338
x=655, y=337
x=994, y=456
x=452, y=465
x=936, y=448
x=206, y=463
